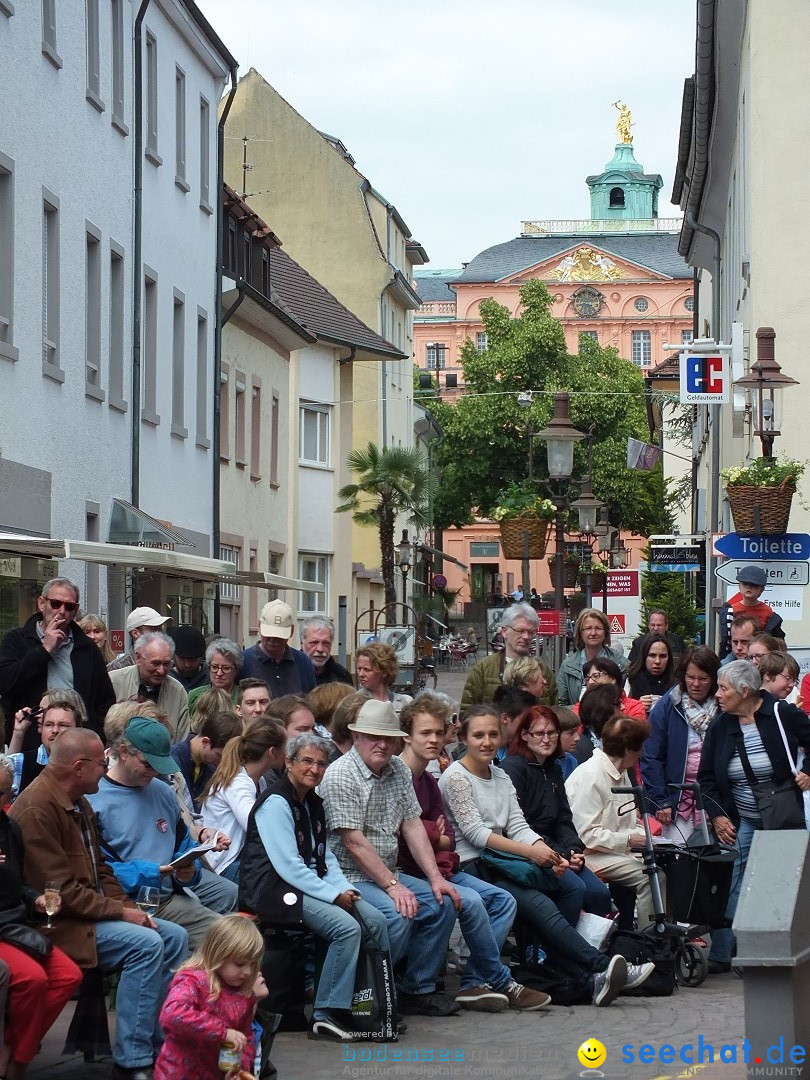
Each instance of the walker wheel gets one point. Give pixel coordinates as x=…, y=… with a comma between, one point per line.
x=691, y=964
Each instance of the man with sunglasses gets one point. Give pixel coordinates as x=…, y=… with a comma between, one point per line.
x=51, y=652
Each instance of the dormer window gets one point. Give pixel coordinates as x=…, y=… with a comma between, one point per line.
x=617, y=198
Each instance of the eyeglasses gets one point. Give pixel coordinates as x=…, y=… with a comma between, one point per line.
x=550, y=735
x=310, y=763
x=68, y=605
x=520, y=631
x=220, y=669
x=594, y=676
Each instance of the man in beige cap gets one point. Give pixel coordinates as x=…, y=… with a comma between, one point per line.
x=140, y=621
x=284, y=669
x=369, y=803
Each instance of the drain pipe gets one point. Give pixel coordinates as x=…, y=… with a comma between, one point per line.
x=219, y=322
x=137, y=259
x=712, y=584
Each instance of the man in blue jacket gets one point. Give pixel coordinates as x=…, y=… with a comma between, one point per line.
x=142, y=830
x=284, y=669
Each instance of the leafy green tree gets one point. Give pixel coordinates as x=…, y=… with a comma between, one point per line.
x=391, y=481
x=670, y=592
x=486, y=442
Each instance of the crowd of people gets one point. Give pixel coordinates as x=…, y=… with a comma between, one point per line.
x=152, y=801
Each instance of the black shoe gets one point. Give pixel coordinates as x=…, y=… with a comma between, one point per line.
x=120, y=1072
x=332, y=1029
x=719, y=967
x=426, y=1005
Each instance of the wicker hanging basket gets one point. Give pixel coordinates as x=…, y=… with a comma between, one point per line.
x=761, y=510
x=513, y=531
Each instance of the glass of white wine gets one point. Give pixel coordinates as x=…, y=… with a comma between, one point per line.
x=148, y=899
x=51, y=893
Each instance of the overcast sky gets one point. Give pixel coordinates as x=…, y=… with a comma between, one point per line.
x=473, y=115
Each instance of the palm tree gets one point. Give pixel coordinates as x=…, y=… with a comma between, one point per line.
x=390, y=481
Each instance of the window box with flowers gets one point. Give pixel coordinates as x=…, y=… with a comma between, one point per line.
x=523, y=515
x=760, y=493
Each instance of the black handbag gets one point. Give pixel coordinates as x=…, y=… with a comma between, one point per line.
x=780, y=804
x=496, y=866
x=27, y=939
x=374, y=1005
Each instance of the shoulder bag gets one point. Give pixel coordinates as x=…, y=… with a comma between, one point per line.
x=27, y=939
x=498, y=866
x=780, y=805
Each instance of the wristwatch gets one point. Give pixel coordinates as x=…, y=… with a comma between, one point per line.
x=391, y=884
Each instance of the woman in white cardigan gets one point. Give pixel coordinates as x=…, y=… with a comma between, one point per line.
x=607, y=824
x=232, y=790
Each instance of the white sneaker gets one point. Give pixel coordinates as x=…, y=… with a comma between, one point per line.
x=638, y=974
x=609, y=983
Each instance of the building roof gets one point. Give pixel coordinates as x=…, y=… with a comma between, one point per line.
x=320, y=312
x=657, y=252
x=434, y=285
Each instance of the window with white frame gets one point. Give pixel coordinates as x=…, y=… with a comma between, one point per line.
x=180, y=130
x=205, y=156
x=229, y=593
x=151, y=92
x=49, y=32
x=481, y=342
x=435, y=357
x=641, y=353
x=592, y=335
x=93, y=89
x=117, y=398
x=149, y=354
x=202, y=439
x=117, y=64
x=314, y=568
x=92, y=313
x=686, y=337
x=7, y=348
x=275, y=565
x=314, y=434
x=50, y=287
x=178, y=427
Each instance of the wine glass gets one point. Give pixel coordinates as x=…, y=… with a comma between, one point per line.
x=51, y=893
x=148, y=899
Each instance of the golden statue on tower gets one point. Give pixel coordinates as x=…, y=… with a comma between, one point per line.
x=624, y=123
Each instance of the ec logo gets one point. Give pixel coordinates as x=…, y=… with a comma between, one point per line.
x=704, y=375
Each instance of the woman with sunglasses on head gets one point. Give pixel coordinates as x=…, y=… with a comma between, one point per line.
x=533, y=766
x=50, y=651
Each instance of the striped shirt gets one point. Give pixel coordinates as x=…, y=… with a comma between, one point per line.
x=761, y=767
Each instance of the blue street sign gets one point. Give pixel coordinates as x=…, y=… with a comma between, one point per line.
x=787, y=547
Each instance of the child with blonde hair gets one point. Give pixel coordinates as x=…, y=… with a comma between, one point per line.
x=211, y=1002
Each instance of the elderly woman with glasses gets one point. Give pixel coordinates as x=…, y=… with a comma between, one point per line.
x=591, y=640
x=291, y=878
x=533, y=765
x=224, y=660
x=745, y=737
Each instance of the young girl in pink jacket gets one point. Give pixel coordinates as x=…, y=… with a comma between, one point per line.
x=211, y=1001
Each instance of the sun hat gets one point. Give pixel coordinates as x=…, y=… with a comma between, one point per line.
x=377, y=718
x=277, y=620
x=145, y=616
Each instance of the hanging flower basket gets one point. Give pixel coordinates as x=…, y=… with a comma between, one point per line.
x=513, y=533
x=570, y=570
x=598, y=578
x=760, y=493
x=763, y=510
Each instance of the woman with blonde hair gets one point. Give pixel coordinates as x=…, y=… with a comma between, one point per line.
x=232, y=790
x=591, y=639
x=324, y=699
x=211, y=1002
x=345, y=715
x=96, y=629
x=527, y=673
x=376, y=668
x=211, y=702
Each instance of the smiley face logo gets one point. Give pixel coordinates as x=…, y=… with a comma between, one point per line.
x=592, y=1054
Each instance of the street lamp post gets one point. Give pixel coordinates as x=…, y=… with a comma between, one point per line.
x=404, y=556
x=767, y=381
x=587, y=507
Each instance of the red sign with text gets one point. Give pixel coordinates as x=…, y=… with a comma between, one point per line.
x=551, y=623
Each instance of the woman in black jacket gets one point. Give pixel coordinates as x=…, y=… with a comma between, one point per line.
x=746, y=728
x=532, y=765
x=651, y=673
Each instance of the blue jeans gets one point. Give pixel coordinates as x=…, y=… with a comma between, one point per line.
x=424, y=938
x=344, y=934
x=216, y=893
x=723, y=940
x=231, y=871
x=485, y=919
x=146, y=958
x=580, y=891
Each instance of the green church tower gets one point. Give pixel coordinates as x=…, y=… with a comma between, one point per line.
x=624, y=191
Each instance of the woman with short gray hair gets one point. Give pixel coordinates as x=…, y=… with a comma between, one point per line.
x=744, y=747
x=223, y=659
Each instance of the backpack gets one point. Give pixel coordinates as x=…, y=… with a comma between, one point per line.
x=640, y=948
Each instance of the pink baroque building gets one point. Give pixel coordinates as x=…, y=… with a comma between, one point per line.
x=616, y=277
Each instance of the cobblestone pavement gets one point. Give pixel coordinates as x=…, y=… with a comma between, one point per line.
x=506, y=1045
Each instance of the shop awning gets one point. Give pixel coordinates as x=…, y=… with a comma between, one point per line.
x=173, y=563
x=129, y=525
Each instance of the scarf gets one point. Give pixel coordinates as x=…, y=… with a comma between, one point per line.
x=698, y=717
